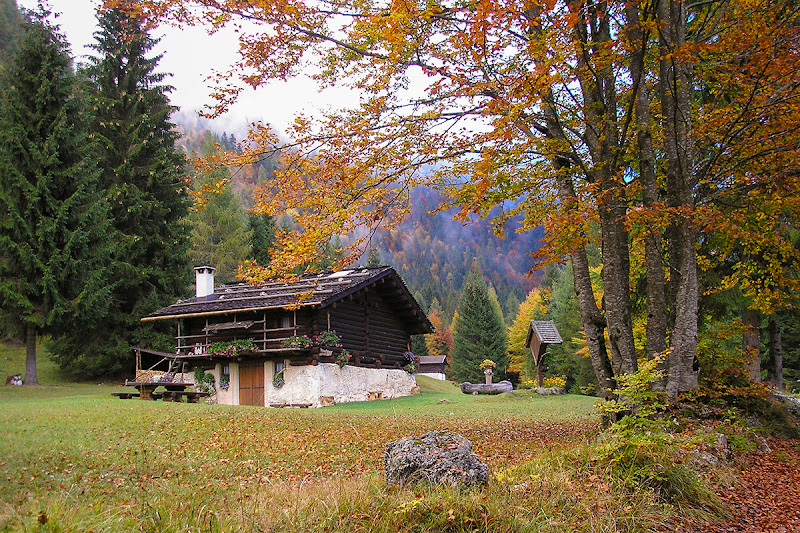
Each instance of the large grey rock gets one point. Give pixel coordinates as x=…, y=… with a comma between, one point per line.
x=438, y=457
x=791, y=403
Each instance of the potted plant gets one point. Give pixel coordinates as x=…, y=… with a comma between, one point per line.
x=300, y=342
x=413, y=363
x=342, y=358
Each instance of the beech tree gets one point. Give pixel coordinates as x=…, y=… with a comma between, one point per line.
x=440, y=342
x=638, y=116
x=53, y=221
x=520, y=358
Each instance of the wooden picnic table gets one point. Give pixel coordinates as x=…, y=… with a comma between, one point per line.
x=178, y=396
x=146, y=388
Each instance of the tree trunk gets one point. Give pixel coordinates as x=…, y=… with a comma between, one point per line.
x=593, y=31
x=591, y=319
x=751, y=344
x=683, y=369
x=616, y=279
x=656, y=327
x=539, y=377
x=593, y=325
x=675, y=92
x=30, y=358
x=775, y=365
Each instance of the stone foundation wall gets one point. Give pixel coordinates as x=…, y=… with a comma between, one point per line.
x=327, y=384
x=321, y=385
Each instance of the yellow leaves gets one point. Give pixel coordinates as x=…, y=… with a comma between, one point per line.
x=409, y=506
x=533, y=308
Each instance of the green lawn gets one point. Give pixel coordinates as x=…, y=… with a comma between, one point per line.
x=77, y=459
x=12, y=361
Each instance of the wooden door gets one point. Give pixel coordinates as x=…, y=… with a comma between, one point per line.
x=251, y=384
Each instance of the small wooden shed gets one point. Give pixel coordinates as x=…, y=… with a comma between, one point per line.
x=541, y=333
x=432, y=366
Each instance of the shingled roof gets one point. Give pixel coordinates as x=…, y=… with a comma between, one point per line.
x=317, y=290
x=545, y=330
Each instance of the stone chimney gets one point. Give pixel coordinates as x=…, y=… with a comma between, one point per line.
x=204, y=281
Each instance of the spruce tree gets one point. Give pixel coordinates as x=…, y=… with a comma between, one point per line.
x=53, y=224
x=141, y=176
x=263, y=236
x=10, y=28
x=479, y=333
x=220, y=232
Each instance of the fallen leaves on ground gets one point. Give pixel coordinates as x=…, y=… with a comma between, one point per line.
x=766, y=496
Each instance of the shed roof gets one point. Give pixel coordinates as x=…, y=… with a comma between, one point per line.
x=545, y=330
x=316, y=290
x=431, y=359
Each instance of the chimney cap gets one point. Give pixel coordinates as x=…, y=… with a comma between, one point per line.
x=205, y=268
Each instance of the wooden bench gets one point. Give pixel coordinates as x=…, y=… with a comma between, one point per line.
x=178, y=396
x=125, y=395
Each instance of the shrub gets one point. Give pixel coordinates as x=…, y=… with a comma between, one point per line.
x=555, y=381
x=204, y=382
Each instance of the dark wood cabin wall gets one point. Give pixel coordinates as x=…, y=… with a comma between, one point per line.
x=388, y=335
x=431, y=368
x=347, y=319
x=369, y=329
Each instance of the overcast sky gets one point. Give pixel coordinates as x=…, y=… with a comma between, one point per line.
x=190, y=55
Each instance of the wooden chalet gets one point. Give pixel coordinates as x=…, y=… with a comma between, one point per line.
x=370, y=308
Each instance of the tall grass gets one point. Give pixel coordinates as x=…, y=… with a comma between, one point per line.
x=77, y=459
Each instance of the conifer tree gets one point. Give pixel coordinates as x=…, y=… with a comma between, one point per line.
x=263, y=236
x=479, y=333
x=221, y=235
x=10, y=27
x=141, y=176
x=53, y=224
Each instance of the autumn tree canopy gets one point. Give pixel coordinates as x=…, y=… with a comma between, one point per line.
x=658, y=120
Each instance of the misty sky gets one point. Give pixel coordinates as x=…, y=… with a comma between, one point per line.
x=190, y=54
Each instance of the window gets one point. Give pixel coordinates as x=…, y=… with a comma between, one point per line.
x=278, y=375
x=286, y=321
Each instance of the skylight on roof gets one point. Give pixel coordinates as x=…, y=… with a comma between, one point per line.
x=341, y=274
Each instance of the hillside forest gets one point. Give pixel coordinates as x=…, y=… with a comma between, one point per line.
x=159, y=192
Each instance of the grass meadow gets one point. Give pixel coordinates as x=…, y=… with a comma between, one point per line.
x=74, y=458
